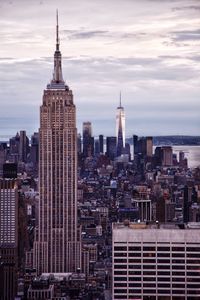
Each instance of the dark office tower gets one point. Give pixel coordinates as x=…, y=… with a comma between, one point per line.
x=101, y=144
x=23, y=146
x=111, y=147
x=79, y=147
x=14, y=148
x=91, y=147
x=183, y=163
x=149, y=146
x=127, y=150
x=186, y=204
x=10, y=170
x=96, y=147
x=34, y=150
x=142, y=146
x=120, y=128
x=135, y=140
x=8, y=238
x=57, y=243
x=181, y=156
x=160, y=209
x=88, y=140
x=194, y=196
x=158, y=156
x=3, y=153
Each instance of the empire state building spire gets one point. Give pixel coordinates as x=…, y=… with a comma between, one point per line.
x=57, y=32
x=57, y=74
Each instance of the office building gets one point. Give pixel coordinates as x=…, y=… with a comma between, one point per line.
x=101, y=144
x=79, y=144
x=8, y=237
x=156, y=261
x=135, y=139
x=167, y=156
x=158, y=156
x=127, y=150
x=23, y=146
x=149, y=146
x=3, y=153
x=57, y=238
x=111, y=147
x=120, y=128
x=10, y=170
x=143, y=146
x=145, y=209
x=88, y=140
x=96, y=147
x=14, y=143
x=34, y=149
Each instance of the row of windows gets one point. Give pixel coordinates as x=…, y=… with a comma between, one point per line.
x=156, y=291
x=158, y=248
x=162, y=261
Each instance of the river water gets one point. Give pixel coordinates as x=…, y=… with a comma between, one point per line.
x=192, y=153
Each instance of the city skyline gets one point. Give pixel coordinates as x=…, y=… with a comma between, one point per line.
x=147, y=49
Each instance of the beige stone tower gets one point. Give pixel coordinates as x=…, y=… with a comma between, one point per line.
x=57, y=240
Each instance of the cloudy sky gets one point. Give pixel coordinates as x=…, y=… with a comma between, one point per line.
x=147, y=49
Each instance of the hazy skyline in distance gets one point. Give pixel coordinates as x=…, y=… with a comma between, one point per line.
x=147, y=49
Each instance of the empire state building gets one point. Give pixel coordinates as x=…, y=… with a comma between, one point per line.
x=57, y=238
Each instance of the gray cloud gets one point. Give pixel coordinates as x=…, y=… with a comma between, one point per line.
x=82, y=34
x=189, y=7
x=186, y=35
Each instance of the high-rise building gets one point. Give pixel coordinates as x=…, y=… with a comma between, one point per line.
x=79, y=145
x=23, y=146
x=158, y=156
x=8, y=235
x=96, y=147
x=14, y=148
x=149, y=146
x=143, y=146
x=127, y=150
x=10, y=170
x=57, y=244
x=101, y=145
x=135, y=140
x=186, y=204
x=88, y=140
x=167, y=156
x=120, y=128
x=3, y=154
x=111, y=147
x=155, y=261
x=34, y=149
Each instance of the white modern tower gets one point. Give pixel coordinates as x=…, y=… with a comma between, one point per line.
x=57, y=243
x=120, y=127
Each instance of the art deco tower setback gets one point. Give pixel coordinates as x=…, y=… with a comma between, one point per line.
x=57, y=241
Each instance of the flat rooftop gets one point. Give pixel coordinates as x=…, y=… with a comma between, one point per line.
x=156, y=225
x=156, y=232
